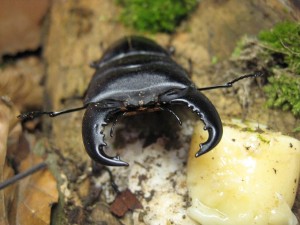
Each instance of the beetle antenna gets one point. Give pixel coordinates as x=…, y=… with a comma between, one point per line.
x=230, y=83
x=34, y=114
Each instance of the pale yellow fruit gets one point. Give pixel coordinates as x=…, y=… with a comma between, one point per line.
x=251, y=177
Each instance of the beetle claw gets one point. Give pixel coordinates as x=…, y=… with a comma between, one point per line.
x=104, y=159
x=200, y=104
x=205, y=147
x=94, y=121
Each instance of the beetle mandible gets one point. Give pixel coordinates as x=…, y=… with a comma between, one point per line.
x=136, y=74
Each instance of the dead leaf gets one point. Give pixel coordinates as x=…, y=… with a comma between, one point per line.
x=37, y=194
x=7, y=123
x=124, y=202
x=31, y=202
x=21, y=82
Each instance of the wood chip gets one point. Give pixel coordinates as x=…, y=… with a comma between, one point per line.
x=124, y=202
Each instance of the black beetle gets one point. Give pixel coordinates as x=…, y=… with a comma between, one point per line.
x=136, y=74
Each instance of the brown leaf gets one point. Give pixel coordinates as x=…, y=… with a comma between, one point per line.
x=8, y=123
x=21, y=83
x=32, y=204
x=124, y=202
x=37, y=194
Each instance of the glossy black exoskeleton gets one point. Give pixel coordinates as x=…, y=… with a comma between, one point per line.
x=134, y=75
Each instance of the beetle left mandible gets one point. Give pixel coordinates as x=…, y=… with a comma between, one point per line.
x=136, y=75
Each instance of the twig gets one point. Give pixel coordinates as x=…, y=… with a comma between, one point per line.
x=22, y=175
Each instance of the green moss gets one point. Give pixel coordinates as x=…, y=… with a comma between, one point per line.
x=282, y=32
x=284, y=39
x=155, y=15
x=240, y=45
x=283, y=43
x=284, y=92
x=277, y=53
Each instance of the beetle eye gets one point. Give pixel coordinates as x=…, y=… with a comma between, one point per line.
x=110, y=104
x=173, y=92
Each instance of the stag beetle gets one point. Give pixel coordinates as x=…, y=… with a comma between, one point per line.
x=134, y=75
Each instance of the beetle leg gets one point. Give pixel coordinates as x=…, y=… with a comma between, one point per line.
x=201, y=105
x=93, y=123
x=114, y=124
x=173, y=113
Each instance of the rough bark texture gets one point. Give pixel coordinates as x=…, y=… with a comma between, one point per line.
x=78, y=33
